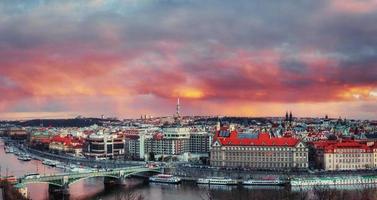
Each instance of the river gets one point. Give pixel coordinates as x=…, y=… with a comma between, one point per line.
x=93, y=188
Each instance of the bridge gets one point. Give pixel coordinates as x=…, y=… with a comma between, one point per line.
x=61, y=182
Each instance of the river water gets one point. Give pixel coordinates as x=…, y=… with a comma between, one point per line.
x=93, y=188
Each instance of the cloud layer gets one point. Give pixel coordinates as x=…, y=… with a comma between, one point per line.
x=128, y=58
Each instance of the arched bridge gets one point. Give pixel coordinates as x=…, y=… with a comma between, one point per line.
x=66, y=179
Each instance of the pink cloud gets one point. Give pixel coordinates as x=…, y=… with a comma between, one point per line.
x=354, y=6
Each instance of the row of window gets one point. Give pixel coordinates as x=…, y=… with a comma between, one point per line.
x=350, y=150
x=255, y=154
x=260, y=148
x=350, y=166
x=259, y=164
x=353, y=155
x=351, y=160
x=257, y=159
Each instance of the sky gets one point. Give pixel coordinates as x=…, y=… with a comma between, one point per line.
x=237, y=58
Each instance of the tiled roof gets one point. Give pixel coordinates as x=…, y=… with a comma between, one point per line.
x=45, y=140
x=67, y=140
x=263, y=139
x=330, y=146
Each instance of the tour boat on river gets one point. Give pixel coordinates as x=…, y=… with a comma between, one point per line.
x=9, y=149
x=264, y=181
x=333, y=181
x=217, y=181
x=165, y=178
x=51, y=163
x=10, y=179
x=24, y=157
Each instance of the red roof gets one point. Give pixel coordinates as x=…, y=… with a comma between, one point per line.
x=44, y=140
x=67, y=140
x=323, y=143
x=263, y=139
x=330, y=146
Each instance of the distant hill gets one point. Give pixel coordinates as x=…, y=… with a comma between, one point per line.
x=235, y=120
x=77, y=122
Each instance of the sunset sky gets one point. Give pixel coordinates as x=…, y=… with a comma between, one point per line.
x=221, y=57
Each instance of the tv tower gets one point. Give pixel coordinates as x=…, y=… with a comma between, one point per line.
x=177, y=109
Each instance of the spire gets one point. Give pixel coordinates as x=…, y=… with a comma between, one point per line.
x=290, y=116
x=286, y=116
x=178, y=108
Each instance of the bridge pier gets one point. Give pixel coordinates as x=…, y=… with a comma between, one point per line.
x=57, y=192
x=110, y=182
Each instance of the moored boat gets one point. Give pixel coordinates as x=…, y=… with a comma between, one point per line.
x=165, y=178
x=81, y=169
x=24, y=158
x=217, y=181
x=10, y=179
x=9, y=150
x=51, y=163
x=264, y=181
x=334, y=181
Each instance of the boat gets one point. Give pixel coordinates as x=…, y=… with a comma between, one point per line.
x=17, y=152
x=31, y=176
x=264, y=181
x=9, y=150
x=61, y=166
x=51, y=163
x=80, y=169
x=10, y=179
x=165, y=178
x=217, y=181
x=334, y=181
x=24, y=158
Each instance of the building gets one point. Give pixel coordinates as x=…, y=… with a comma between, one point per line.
x=134, y=146
x=344, y=155
x=200, y=142
x=171, y=142
x=260, y=151
x=103, y=146
x=16, y=133
x=67, y=144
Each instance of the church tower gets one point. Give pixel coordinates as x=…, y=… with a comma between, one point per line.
x=286, y=116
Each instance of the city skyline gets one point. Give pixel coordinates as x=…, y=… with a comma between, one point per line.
x=131, y=58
